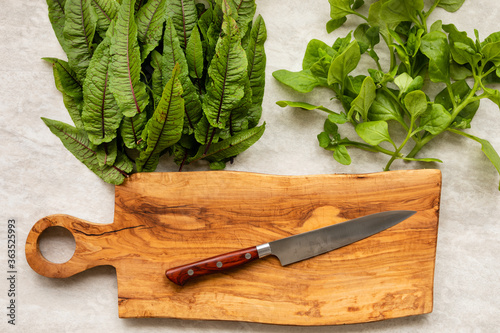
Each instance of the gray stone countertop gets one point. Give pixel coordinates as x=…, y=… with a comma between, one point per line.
x=40, y=177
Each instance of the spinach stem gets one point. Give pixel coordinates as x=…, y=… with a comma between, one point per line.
x=360, y=15
x=452, y=95
x=364, y=146
x=436, y=3
x=469, y=99
x=397, y=152
x=491, y=70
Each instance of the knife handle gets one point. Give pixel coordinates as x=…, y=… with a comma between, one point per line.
x=181, y=274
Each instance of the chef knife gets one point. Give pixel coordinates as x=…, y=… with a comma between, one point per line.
x=294, y=248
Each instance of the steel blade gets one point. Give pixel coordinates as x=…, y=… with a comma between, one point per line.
x=312, y=243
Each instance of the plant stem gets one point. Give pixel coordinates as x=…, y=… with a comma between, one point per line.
x=396, y=153
x=469, y=99
x=391, y=94
x=436, y=3
x=373, y=149
x=360, y=15
x=450, y=92
x=491, y=70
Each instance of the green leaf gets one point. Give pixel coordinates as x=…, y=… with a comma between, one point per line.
x=416, y=103
x=130, y=93
x=107, y=153
x=491, y=52
x=493, y=95
x=131, y=129
x=106, y=11
x=353, y=85
x=70, y=87
x=165, y=126
x=303, y=105
x=173, y=54
x=194, y=55
x=374, y=132
x=462, y=47
x=57, y=19
x=245, y=11
x=403, y=82
x=204, y=132
x=367, y=36
x=331, y=127
x=429, y=160
x=451, y=5
x=414, y=41
x=150, y=20
x=79, y=29
x=230, y=147
x=157, y=76
x=333, y=25
x=340, y=8
x=357, y=4
x=337, y=118
x=184, y=16
x=375, y=19
x=77, y=142
x=341, y=155
x=227, y=72
x=459, y=72
x=341, y=44
x=364, y=100
x=345, y=63
x=396, y=11
x=486, y=147
x=213, y=19
x=256, y=56
x=324, y=139
x=436, y=26
x=315, y=51
x=101, y=115
x=384, y=107
x=435, y=47
x=435, y=120
x=303, y=81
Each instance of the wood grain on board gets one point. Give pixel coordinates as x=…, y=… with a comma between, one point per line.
x=163, y=220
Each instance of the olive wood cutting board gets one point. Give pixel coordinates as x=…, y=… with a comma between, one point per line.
x=163, y=220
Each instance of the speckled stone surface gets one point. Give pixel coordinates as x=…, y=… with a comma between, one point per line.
x=39, y=177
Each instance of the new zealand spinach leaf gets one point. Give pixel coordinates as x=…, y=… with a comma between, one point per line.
x=396, y=97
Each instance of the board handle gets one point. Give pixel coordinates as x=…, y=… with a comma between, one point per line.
x=90, y=238
x=181, y=274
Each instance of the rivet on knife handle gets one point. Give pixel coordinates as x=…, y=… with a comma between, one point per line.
x=181, y=274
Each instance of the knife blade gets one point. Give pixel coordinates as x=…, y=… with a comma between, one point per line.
x=294, y=248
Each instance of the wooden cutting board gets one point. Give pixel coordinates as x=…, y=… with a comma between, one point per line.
x=164, y=220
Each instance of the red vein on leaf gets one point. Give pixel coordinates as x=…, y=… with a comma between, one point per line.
x=89, y=45
x=166, y=118
x=101, y=10
x=103, y=129
x=151, y=20
x=60, y=63
x=184, y=23
x=60, y=5
x=128, y=64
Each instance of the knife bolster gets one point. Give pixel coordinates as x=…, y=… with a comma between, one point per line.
x=264, y=250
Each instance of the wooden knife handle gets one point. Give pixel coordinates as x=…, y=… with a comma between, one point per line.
x=181, y=274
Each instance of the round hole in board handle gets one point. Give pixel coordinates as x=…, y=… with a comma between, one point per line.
x=57, y=244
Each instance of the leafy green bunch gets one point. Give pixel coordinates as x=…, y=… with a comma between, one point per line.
x=164, y=76
x=392, y=99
